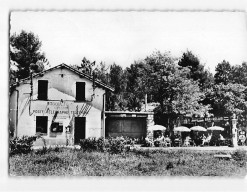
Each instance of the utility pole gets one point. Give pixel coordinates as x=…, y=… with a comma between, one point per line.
x=31, y=86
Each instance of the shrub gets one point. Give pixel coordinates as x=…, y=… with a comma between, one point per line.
x=130, y=141
x=112, y=145
x=21, y=145
x=101, y=144
x=116, y=145
x=41, y=151
x=89, y=144
x=239, y=155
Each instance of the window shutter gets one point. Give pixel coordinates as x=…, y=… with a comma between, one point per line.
x=80, y=91
x=42, y=89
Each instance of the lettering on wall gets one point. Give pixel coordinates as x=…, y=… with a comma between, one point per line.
x=63, y=109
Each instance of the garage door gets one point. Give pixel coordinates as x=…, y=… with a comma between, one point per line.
x=131, y=127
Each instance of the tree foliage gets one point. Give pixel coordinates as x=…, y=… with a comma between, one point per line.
x=179, y=87
x=229, y=99
x=229, y=94
x=197, y=71
x=239, y=74
x=192, y=62
x=102, y=72
x=25, y=49
x=223, y=73
x=116, y=100
x=136, y=87
x=168, y=84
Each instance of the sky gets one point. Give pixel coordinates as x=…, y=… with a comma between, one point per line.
x=125, y=37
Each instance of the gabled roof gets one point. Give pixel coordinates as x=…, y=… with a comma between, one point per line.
x=89, y=77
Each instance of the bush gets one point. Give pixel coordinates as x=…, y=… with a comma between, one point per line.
x=101, y=144
x=112, y=145
x=116, y=145
x=21, y=145
x=89, y=144
x=239, y=155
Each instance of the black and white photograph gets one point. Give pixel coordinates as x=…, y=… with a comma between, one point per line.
x=127, y=94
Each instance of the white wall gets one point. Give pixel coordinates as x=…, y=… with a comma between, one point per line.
x=58, y=88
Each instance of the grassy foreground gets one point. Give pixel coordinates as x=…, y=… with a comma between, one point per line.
x=72, y=162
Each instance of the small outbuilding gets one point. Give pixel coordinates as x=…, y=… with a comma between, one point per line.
x=130, y=124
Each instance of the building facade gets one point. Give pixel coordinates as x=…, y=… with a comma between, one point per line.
x=61, y=104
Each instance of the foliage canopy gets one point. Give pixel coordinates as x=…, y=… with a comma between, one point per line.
x=25, y=49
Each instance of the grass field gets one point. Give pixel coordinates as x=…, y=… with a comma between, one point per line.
x=181, y=162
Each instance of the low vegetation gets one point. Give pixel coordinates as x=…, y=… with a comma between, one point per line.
x=21, y=145
x=111, y=145
x=137, y=162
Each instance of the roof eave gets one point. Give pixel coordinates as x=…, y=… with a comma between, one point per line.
x=68, y=67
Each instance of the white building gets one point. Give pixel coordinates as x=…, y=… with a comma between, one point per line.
x=61, y=104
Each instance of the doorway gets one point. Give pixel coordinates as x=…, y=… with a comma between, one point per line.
x=80, y=129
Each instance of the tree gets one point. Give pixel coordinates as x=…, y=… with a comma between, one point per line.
x=171, y=87
x=207, y=80
x=102, y=73
x=229, y=94
x=116, y=77
x=116, y=101
x=223, y=73
x=197, y=72
x=229, y=99
x=239, y=74
x=86, y=66
x=25, y=50
x=135, y=88
x=192, y=62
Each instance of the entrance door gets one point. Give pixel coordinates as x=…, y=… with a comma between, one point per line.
x=80, y=129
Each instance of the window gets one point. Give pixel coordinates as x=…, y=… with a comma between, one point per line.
x=42, y=89
x=57, y=127
x=41, y=124
x=80, y=91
